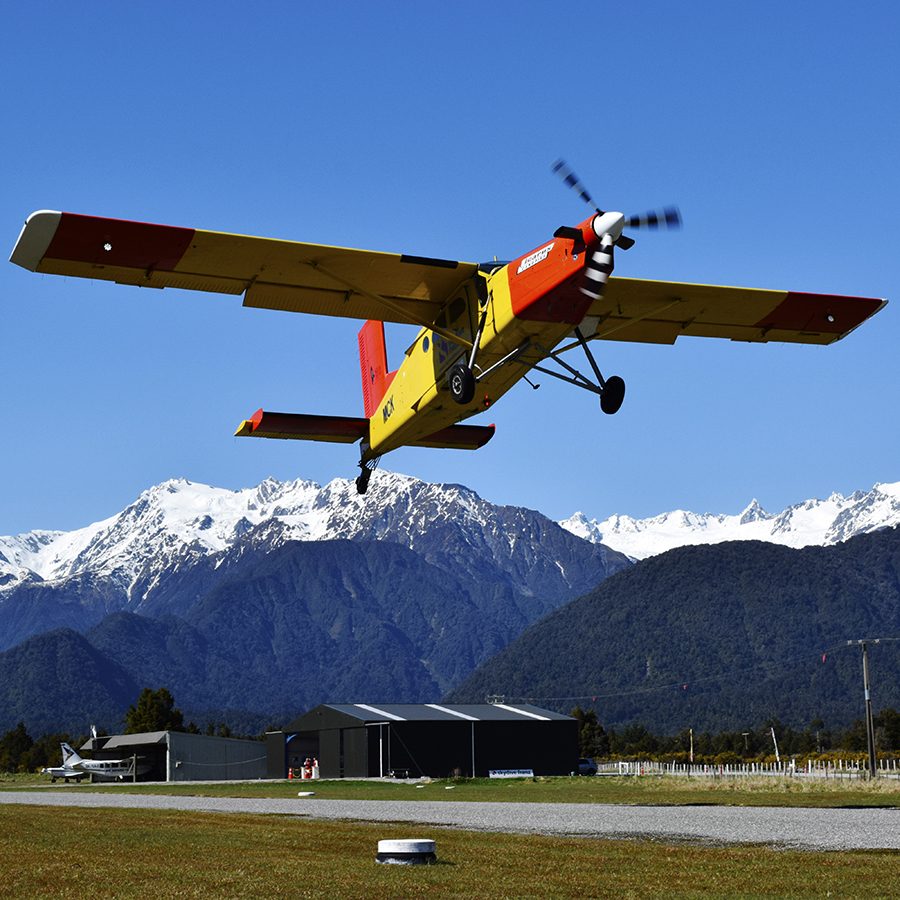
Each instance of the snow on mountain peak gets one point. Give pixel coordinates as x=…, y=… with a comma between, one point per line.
x=579, y=524
x=179, y=520
x=753, y=513
x=812, y=521
x=183, y=519
x=888, y=490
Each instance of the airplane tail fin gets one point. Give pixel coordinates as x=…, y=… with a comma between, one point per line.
x=373, y=365
x=69, y=756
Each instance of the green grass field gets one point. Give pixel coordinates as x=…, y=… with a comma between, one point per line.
x=649, y=790
x=80, y=853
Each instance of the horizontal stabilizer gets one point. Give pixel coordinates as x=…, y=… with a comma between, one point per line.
x=348, y=429
x=299, y=427
x=458, y=437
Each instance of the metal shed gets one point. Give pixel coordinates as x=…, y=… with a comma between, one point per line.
x=179, y=756
x=360, y=740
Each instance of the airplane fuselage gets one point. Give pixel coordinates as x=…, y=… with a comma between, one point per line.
x=107, y=770
x=529, y=306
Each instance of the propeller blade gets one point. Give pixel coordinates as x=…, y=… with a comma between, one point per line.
x=669, y=217
x=599, y=267
x=573, y=181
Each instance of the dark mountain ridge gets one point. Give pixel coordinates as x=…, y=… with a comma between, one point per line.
x=273, y=627
x=711, y=637
x=716, y=637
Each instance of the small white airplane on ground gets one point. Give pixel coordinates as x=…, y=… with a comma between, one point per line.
x=102, y=769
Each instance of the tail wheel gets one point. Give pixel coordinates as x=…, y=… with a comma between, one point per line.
x=462, y=383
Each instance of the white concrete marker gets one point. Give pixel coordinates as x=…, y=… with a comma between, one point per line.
x=410, y=852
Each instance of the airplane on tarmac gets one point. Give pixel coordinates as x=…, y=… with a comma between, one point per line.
x=484, y=327
x=101, y=769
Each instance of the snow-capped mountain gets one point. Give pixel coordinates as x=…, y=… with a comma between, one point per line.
x=819, y=522
x=244, y=599
x=180, y=548
x=178, y=521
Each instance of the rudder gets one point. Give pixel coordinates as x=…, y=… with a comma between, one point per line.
x=70, y=757
x=373, y=365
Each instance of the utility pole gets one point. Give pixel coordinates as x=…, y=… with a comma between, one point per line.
x=870, y=725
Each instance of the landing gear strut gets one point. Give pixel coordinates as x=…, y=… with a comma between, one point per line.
x=461, y=377
x=611, y=390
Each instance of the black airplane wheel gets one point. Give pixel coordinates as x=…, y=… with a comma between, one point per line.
x=462, y=383
x=613, y=395
x=362, y=481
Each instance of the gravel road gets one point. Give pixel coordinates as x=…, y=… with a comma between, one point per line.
x=810, y=829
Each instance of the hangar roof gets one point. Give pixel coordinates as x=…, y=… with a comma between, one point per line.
x=126, y=740
x=444, y=712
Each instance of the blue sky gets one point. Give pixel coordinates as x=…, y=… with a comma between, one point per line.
x=429, y=129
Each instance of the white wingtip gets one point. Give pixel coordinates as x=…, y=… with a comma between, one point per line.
x=35, y=238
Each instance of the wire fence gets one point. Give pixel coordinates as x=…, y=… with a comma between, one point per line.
x=836, y=769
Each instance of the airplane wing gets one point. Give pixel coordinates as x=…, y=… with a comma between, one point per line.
x=272, y=274
x=347, y=429
x=658, y=312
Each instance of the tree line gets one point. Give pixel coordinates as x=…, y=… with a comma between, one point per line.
x=156, y=711
x=152, y=711
x=729, y=747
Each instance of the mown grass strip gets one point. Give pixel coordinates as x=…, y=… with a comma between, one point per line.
x=652, y=791
x=64, y=852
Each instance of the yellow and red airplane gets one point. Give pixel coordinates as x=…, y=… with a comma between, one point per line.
x=483, y=327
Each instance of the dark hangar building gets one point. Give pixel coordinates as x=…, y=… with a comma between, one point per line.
x=180, y=756
x=361, y=740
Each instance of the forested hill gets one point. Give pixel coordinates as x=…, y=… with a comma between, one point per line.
x=60, y=681
x=717, y=637
x=277, y=629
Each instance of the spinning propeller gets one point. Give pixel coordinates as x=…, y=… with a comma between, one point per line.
x=608, y=227
x=667, y=217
